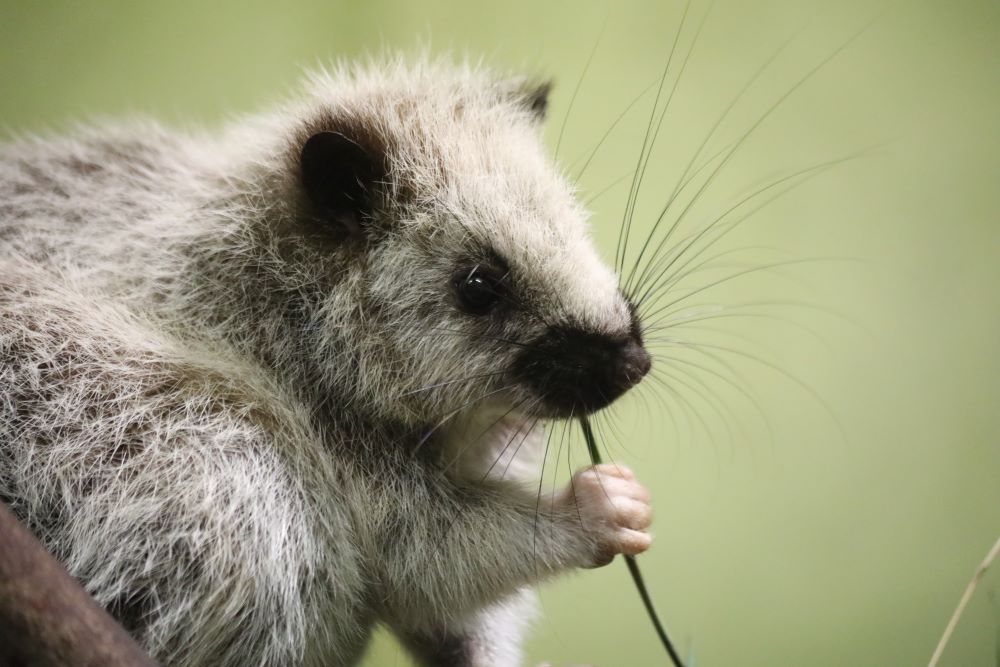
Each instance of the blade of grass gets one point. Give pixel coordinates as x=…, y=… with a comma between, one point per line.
x=633, y=566
x=966, y=596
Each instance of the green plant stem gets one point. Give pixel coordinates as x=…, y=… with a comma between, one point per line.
x=633, y=566
x=966, y=596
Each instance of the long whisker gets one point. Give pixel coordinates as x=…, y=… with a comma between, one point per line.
x=576, y=89
x=451, y=415
x=607, y=133
x=760, y=120
x=738, y=274
x=822, y=402
x=538, y=499
x=623, y=231
x=802, y=174
x=458, y=514
x=669, y=406
x=478, y=334
x=661, y=265
x=603, y=191
x=664, y=404
x=708, y=264
x=692, y=324
x=458, y=455
x=681, y=182
x=678, y=316
x=503, y=451
x=701, y=389
x=572, y=485
x=659, y=124
x=743, y=391
x=518, y=448
x=555, y=476
x=446, y=383
x=692, y=410
x=612, y=434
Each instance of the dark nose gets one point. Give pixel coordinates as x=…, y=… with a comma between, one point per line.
x=575, y=371
x=630, y=365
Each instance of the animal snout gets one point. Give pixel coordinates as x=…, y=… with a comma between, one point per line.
x=576, y=371
x=630, y=365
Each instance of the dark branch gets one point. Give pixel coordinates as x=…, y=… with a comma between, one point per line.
x=46, y=618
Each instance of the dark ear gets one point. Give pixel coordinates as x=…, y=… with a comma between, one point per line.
x=338, y=175
x=532, y=96
x=537, y=99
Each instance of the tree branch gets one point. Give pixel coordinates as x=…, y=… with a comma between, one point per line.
x=46, y=618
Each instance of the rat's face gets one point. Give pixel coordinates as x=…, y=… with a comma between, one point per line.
x=473, y=267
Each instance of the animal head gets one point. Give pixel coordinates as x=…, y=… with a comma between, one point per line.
x=464, y=274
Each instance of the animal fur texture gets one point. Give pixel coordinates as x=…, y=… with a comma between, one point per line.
x=254, y=432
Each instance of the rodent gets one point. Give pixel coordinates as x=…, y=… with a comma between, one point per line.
x=266, y=390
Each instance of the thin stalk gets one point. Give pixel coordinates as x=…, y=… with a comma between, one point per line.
x=966, y=596
x=633, y=566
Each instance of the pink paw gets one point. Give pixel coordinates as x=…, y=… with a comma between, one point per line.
x=614, y=509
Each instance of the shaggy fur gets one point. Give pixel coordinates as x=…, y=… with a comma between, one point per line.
x=254, y=436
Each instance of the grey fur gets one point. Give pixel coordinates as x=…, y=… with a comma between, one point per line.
x=254, y=442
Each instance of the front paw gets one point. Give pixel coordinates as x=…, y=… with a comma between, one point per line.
x=614, y=510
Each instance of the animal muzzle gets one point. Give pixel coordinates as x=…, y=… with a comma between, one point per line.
x=578, y=372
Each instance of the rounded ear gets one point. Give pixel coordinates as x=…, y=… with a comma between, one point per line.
x=338, y=175
x=537, y=99
x=529, y=94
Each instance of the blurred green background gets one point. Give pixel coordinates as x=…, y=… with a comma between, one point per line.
x=823, y=444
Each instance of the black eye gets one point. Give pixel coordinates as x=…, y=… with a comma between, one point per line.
x=477, y=290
